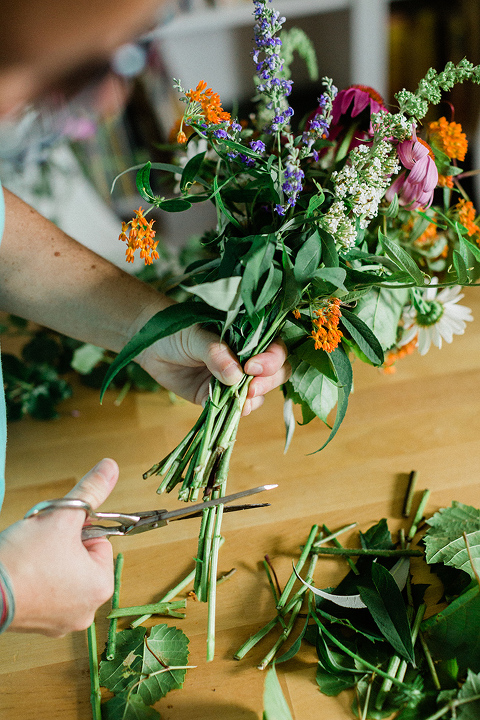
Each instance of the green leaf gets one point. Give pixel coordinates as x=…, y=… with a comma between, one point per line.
x=381, y=310
x=316, y=358
x=190, y=171
x=402, y=259
x=122, y=672
x=444, y=541
x=332, y=684
x=274, y=704
x=363, y=336
x=174, y=205
x=222, y=294
x=455, y=631
x=257, y=263
x=469, y=692
x=384, y=601
x=474, y=249
x=171, y=645
x=314, y=389
x=343, y=370
x=333, y=275
x=134, y=661
x=460, y=268
x=307, y=260
x=86, y=357
x=329, y=251
x=270, y=287
x=128, y=707
x=143, y=183
x=164, y=323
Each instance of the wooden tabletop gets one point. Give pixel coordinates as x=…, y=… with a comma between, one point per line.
x=425, y=417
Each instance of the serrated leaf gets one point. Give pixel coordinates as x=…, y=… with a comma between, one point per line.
x=444, y=541
x=135, y=661
x=385, y=603
x=274, y=704
x=164, y=323
x=126, y=706
x=171, y=645
x=469, y=692
x=121, y=672
x=455, y=631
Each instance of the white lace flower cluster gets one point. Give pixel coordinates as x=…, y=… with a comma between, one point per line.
x=359, y=188
x=340, y=226
x=392, y=125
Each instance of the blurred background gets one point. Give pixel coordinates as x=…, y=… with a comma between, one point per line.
x=63, y=161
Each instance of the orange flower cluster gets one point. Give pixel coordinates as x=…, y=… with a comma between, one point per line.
x=211, y=107
x=445, y=181
x=140, y=237
x=466, y=216
x=449, y=138
x=394, y=355
x=326, y=333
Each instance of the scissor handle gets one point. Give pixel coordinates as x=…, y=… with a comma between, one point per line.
x=49, y=505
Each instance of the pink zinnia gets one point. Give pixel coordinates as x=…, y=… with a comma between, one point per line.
x=415, y=188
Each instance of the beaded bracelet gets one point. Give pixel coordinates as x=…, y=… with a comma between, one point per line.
x=7, y=599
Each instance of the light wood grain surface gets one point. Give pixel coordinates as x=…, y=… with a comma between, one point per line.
x=425, y=417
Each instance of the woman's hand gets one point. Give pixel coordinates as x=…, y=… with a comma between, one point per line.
x=185, y=362
x=59, y=581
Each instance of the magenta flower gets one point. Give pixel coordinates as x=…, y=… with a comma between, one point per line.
x=416, y=187
x=362, y=97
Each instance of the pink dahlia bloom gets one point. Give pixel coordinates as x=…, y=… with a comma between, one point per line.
x=416, y=187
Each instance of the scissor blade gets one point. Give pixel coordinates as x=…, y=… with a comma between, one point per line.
x=228, y=508
x=192, y=509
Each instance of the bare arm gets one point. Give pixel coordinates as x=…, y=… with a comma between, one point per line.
x=48, y=277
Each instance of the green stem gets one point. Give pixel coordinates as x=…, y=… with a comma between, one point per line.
x=254, y=639
x=212, y=589
x=452, y=705
x=95, y=695
x=334, y=535
x=159, y=608
x=418, y=515
x=283, y=637
x=412, y=483
x=353, y=655
x=112, y=629
x=338, y=545
x=169, y=596
x=430, y=663
x=301, y=562
x=354, y=552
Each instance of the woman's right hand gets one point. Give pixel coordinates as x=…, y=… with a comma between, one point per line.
x=59, y=581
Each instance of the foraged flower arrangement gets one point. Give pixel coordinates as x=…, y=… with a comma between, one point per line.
x=347, y=233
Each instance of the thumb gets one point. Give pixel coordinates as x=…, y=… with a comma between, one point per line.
x=97, y=484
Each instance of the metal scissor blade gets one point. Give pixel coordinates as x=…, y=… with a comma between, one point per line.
x=187, y=511
x=228, y=508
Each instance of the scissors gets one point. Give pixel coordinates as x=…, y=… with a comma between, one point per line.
x=134, y=523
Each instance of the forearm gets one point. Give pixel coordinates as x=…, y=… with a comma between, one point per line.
x=48, y=277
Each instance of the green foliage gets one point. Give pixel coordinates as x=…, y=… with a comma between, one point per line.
x=274, y=703
x=145, y=668
x=445, y=542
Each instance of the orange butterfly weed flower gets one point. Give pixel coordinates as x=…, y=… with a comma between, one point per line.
x=140, y=237
x=466, y=216
x=326, y=333
x=210, y=103
x=449, y=138
x=394, y=355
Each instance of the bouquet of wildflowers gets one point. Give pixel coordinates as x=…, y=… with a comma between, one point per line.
x=326, y=235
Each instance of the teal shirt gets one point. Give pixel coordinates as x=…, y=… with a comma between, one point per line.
x=3, y=414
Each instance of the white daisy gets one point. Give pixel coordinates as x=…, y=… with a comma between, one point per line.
x=440, y=318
